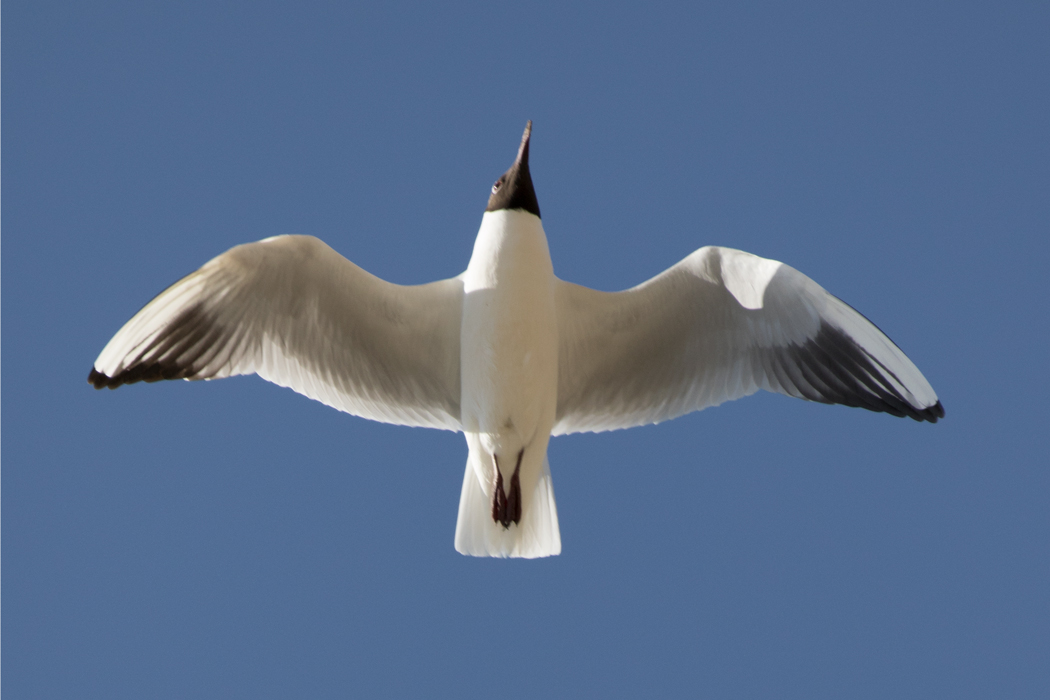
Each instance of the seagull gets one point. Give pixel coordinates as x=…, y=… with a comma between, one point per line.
x=509, y=354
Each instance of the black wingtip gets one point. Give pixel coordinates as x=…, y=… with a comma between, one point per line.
x=97, y=379
x=932, y=414
x=104, y=381
x=514, y=190
x=144, y=372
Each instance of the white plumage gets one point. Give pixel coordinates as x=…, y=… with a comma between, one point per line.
x=509, y=354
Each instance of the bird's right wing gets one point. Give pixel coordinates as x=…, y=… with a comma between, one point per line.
x=717, y=326
x=300, y=315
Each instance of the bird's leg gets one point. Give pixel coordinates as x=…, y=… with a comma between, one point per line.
x=506, y=508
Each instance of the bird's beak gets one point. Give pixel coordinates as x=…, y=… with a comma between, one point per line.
x=522, y=161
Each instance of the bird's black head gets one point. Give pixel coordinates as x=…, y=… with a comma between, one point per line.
x=513, y=190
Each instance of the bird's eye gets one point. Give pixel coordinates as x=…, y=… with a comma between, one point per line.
x=496, y=185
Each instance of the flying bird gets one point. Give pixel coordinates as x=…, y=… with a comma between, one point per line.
x=508, y=354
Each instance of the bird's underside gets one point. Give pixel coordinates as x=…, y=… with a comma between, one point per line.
x=719, y=325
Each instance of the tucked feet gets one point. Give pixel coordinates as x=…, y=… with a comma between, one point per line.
x=506, y=507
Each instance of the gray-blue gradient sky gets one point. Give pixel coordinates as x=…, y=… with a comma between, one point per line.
x=235, y=540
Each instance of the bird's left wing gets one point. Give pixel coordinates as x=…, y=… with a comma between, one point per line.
x=300, y=315
x=717, y=326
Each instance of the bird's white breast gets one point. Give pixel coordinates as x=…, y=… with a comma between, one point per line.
x=509, y=341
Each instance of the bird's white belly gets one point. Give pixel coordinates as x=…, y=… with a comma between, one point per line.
x=509, y=348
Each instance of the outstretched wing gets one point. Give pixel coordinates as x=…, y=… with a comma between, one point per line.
x=300, y=315
x=717, y=326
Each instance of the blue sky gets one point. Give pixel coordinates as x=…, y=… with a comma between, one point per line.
x=233, y=539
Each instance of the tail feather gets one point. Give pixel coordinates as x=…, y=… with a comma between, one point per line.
x=478, y=535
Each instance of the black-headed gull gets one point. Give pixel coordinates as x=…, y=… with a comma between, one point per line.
x=509, y=354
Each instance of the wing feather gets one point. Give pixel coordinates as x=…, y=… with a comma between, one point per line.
x=717, y=326
x=298, y=314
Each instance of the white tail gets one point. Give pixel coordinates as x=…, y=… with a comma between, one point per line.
x=537, y=535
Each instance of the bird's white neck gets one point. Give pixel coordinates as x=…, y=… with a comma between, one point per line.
x=511, y=249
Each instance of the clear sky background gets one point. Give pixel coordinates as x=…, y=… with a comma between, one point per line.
x=232, y=539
